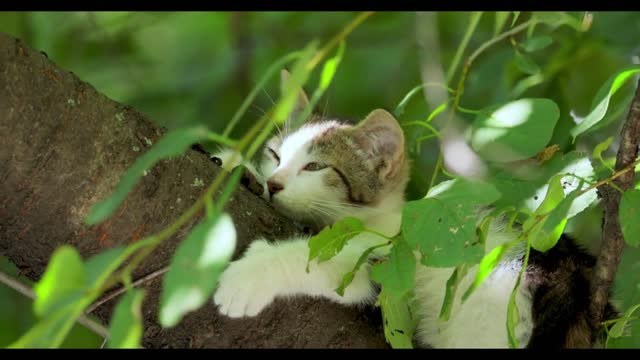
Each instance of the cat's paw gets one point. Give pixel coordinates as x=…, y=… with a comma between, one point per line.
x=244, y=288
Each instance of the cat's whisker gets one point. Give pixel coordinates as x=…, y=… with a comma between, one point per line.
x=259, y=109
x=268, y=96
x=347, y=206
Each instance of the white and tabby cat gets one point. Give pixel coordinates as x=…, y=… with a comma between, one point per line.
x=326, y=170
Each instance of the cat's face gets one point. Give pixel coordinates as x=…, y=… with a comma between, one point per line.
x=327, y=170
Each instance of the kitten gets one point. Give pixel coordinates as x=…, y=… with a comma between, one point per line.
x=318, y=174
x=327, y=170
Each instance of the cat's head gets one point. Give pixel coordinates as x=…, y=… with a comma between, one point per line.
x=327, y=169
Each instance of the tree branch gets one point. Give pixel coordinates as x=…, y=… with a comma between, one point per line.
x=612, y=240
x=65, y=146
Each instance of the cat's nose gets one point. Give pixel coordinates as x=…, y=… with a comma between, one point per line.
x=274, y=187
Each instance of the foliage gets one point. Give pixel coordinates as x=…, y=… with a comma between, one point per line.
x=537, y=88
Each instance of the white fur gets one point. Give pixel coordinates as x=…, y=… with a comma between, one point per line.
x=270, y=270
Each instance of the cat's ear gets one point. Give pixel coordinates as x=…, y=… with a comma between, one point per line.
x=302, y=100
x=380, y=135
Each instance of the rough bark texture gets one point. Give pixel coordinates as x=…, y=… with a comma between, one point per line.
x=64, y=147
x=612, y=239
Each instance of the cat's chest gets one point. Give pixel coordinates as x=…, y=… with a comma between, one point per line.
x=479, y=322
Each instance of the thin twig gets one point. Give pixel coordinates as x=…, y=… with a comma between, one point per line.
x=612, y=238
x=123, y=289
x=26, y=291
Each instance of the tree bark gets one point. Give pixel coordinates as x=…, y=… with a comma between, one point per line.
x=65, y=146
x=612, y=239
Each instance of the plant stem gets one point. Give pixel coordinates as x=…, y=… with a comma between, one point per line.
x=473, y=23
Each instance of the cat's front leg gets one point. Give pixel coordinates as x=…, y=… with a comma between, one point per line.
x=267, y=271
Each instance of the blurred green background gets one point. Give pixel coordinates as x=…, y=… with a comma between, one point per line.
x=184, y=68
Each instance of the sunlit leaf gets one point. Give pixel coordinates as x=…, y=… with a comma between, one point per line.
x=195, y=268
x=544, y=232
x=487, y=264
x=601, y=101
x=62, y=282
x=514, y=131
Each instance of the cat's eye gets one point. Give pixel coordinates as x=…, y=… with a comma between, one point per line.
x=314, y=166
x=274, y=154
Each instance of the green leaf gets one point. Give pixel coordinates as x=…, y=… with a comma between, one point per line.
x=631, y=341
x=397, y=272
x=126, y=324
x=513, y=315
x=328, y=71
x=330, y=67
x=99, y=267
x=526, y=83
x=516, y=15
x=487, y=264
x=348, y=277
x=526, y=64
x=174, y=143
x=398, y=325
x=448, y=214
x=597, y=151
x=452, y=287
x=501, y=19
x=299, y=76
x=514, y=131
x=618, y=328
x=527, y=187
x=332, y=239
x=195, y=268
x=629, y=214
x=602, y=98
x=439, y=109
x=63, y=282
x=544, y=232
x=51, y=331
x=537, y=43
